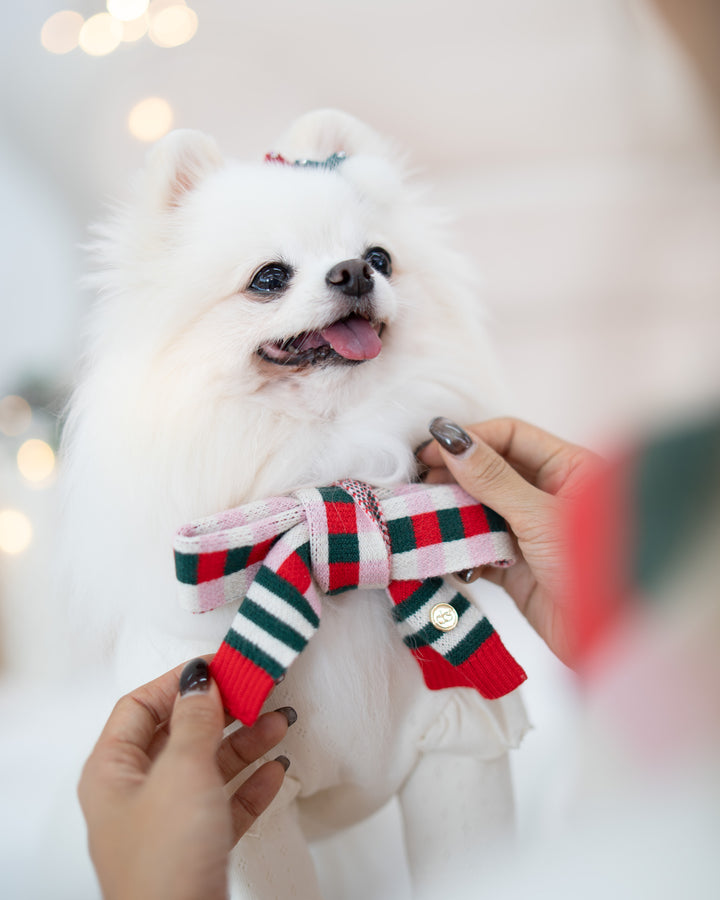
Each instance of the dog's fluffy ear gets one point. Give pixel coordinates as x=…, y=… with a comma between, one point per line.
x=177, y=164
x=317, y=135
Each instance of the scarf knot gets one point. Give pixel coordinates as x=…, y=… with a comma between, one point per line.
x=275, y=556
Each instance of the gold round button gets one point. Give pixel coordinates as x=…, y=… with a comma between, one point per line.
x=443, y=616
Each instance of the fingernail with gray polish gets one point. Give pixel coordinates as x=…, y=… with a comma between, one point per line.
x=450, y=436
x=284, y=762
x=465, y=575
x=195, y=677
x=289, y=713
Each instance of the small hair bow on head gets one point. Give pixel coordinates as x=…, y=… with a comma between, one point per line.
x=332, y=162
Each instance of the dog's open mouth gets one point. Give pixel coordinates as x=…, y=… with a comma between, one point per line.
x=348, y=341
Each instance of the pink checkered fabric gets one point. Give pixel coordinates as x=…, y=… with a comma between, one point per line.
x=276, y=556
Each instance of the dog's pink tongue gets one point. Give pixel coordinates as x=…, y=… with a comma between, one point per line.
x=353, y=338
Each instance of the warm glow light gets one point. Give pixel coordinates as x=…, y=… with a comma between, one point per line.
x=134, y=30
x=15, y=531
x=36, y=460
x=150, y=119
x=61, y=31
x=100, y=34
x=157, y=6
x=15, y=415
x=127, y=10
x=172, y=26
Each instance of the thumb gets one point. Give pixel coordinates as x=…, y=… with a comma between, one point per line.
x=487, y=477
x=197, y=720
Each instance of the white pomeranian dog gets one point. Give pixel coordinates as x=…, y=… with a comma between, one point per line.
x=262, y=327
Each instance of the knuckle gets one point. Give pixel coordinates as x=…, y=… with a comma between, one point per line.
x=490, y=469
x=236, y=747
x=197, y=727
x=247, y=805
x=581, y=466
x=115, y=758
x=127, y=706
x=540, y=524
x=124, y=703
x=202, y=715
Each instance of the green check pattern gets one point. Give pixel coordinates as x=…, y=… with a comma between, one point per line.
x=278, y=556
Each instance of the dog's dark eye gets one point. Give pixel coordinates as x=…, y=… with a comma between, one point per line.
x=271, y=279
x=380, y=260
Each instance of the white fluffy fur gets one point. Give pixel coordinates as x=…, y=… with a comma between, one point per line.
x=174, y=416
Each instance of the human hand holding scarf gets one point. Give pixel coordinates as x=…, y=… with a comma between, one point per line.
x=529, y=477
x=153, y=790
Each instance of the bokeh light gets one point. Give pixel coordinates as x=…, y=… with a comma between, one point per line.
x=157, y=6
x=150, y=119
x=61, y=31
x=127, y=10
x=15, y=531
x=169, y=23
x=172, y=26
x=36, y=460
x=135, y=29
x=100, y=34
x=15, y=415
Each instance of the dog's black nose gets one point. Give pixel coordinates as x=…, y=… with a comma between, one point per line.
x=354, y=277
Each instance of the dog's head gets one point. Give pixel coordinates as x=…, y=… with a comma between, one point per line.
x=313, y=315
x=283, y=282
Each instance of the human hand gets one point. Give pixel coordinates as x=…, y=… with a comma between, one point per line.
x=152, y=792
x=528, y=477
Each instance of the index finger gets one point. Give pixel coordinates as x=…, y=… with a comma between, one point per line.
x=137, y=716
x=544, y=459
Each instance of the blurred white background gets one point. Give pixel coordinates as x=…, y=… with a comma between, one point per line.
x=574, y=142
